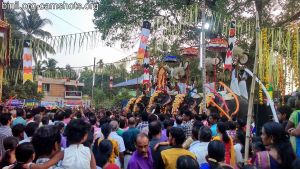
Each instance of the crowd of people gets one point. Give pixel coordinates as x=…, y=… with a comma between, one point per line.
x=111, y=139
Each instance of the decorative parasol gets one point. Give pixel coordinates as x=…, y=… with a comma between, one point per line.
x=190, y=52
x=217, y=45
x=170, y=59
x=136, y=67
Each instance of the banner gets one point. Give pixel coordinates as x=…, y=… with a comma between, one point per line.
x=40, y=84
x=27, y=62
x=231, y=43
x=146, y=78
x=144, y=40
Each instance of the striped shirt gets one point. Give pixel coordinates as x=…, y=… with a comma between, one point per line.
x=5, y=131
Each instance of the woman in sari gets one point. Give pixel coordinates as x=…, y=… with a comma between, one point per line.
x=279, y=154
x=228, y=142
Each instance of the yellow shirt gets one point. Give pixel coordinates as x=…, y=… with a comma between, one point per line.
x=170, y=156
x=115, y=151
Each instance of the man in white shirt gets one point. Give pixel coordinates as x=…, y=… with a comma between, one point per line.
x=199, y=147
x=113, y=135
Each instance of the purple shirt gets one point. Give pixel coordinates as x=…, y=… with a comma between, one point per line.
x=164, y=137
x=139, y=162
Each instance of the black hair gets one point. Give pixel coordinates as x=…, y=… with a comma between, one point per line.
x=198, y=123
x=187, y=162
x=31, y=128
x=44, y=140
x=216, y=153
x=59, y=116
x=122, y=123
x=188, y=113
x=205, y=134
x=231, y=125
x=20, y=112
x=178, y=134
x=258, y=145
x=241, y=137
x=222, y=129
x=154, y=128
x=92, y=119
x=90, y=138
x=108, y=113
x=285, y=110
x=5, y=118
x=168, y=123
x=24, y=153
x=144, y=116
x=67, y=113
x=281, y=143
x=178, y=120
x=45, y=120
x=17, y=130
x=9, y=144
x=106, y=130
x=162, y=117
x=241, y=122
x=29, y=115
x=104, y=121
x=76, y=130
x=60, y=125
x=215, y=116
x=152, y=117
x=104, y=149
x=195, y=131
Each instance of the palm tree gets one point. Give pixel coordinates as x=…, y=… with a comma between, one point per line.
x=39, y=67
x=29, y=25
x=50, y=64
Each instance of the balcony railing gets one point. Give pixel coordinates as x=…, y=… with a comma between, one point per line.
x=73, y=94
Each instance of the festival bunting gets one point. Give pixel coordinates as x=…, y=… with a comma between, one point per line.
x=27, y=62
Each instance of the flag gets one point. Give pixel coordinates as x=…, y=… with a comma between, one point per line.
x=27, y=62
x=143, y=41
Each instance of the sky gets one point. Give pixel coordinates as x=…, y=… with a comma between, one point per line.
x=76, y=21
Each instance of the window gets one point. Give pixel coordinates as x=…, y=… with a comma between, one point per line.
x=46, y=87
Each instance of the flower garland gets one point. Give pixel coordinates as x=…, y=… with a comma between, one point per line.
x=295, y=55
x=152, y=98
x=261, y=97
x=280, y=82
x=177, y=103
x=129, y=104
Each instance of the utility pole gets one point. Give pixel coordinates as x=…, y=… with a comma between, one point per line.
x=250, y=105
x=202, y=53
x=94, y=69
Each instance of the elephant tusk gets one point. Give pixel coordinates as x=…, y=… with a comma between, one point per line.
x=235, y=98
x=218, y=107
x=217, y=94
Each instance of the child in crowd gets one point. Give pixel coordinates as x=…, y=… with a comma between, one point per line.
x=10, y=144
x=24, y=155
x=77, y=155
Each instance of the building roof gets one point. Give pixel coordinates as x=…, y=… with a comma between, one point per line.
x=61, y=81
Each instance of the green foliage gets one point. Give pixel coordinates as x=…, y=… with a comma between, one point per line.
x=28, y=90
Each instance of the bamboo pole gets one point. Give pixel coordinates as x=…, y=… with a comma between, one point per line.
x=250, y=105
x=202, y=53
